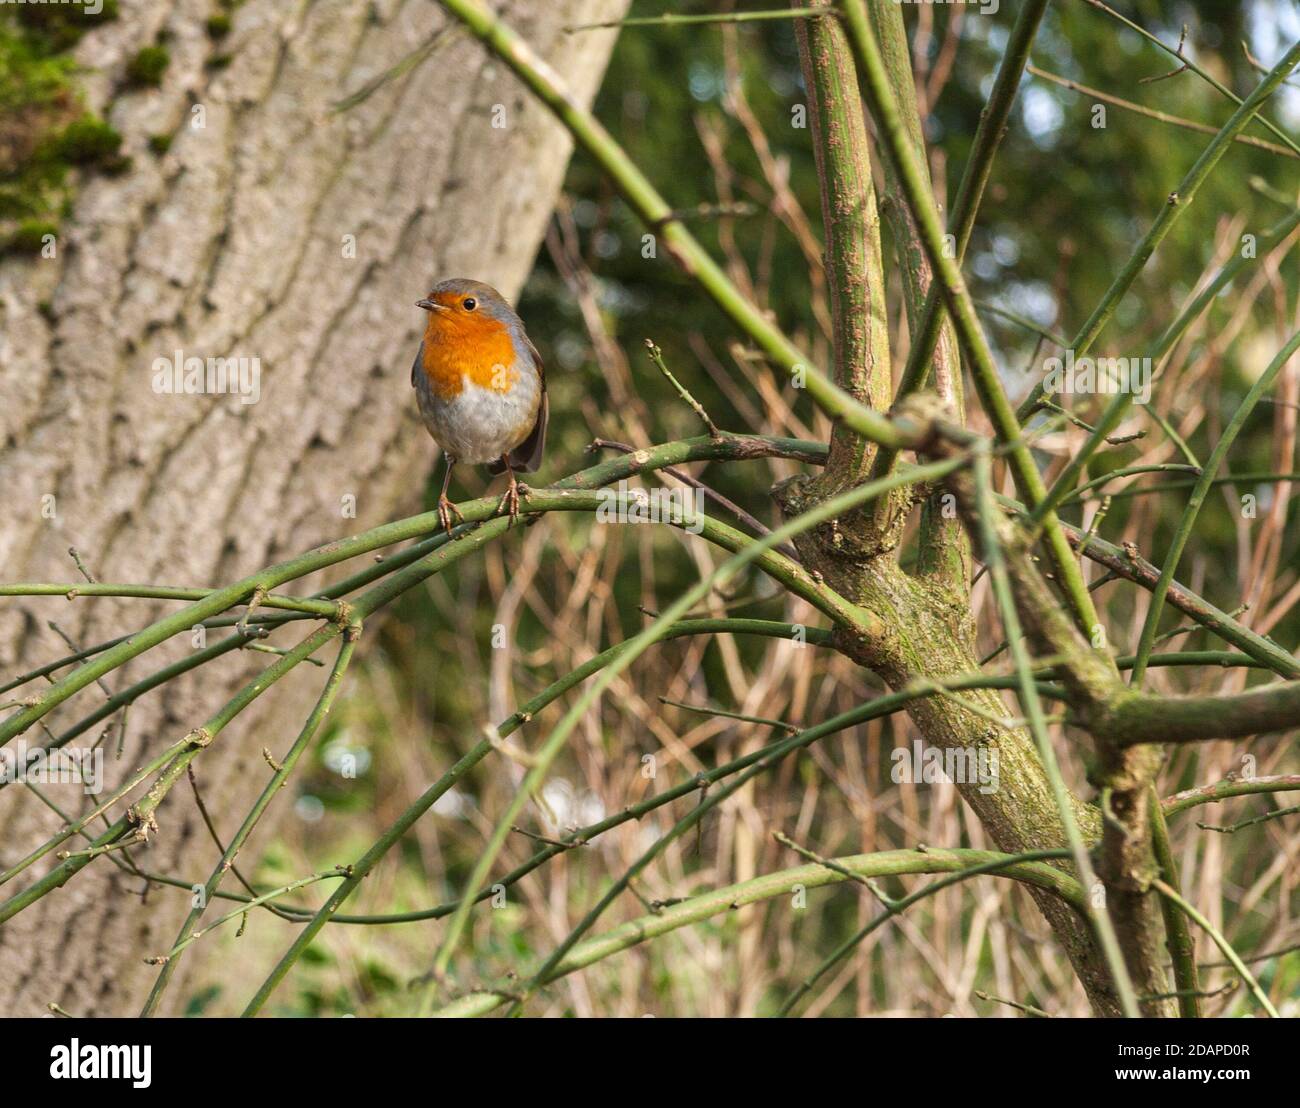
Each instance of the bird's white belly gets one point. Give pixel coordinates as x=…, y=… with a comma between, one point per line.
x=480, y=424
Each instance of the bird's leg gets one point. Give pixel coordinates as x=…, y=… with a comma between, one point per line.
x=510, y=501
x=446, y=509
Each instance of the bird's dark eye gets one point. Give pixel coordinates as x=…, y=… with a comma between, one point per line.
x=469, y=303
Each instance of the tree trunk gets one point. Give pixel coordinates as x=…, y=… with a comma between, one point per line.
x=932, y=633
x=278, y=230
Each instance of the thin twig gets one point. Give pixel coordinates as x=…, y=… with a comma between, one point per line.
x=657, y=356
x=708, y=710
x=1222, y=943
x=673, y=20
x=1233, y=828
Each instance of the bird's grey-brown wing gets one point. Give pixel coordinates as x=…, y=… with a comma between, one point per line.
x=415, y=365
x=527, y=456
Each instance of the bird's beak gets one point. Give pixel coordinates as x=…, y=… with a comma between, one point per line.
x=428, y=305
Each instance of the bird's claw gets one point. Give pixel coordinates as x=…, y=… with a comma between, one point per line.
x=510, y=501
x=446, y=509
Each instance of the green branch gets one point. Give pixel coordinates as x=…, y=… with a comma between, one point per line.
x=278, y=780
x=876, y=88
x=321, y=608
x=1136, y=718
x=854, y=267
x=1191, y=65
x=897, y=907
x=1179, y=201
x=1223, y=790
x=878, y=707
x=875, y=709
x=1178, y=936
x=673, y=20
x=731, y=897
x=987, y=516
x=554, y=743
x=1119, y=405
x=1158, y=116
x=988, y=136
x=175, y=759
x=729, y=447
x=1222, y=943
x=660, y=217
x=1130, y=565
x=1184, y=531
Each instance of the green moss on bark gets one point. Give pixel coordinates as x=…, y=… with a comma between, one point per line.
x=59, y=27
x=45, y=129
x=146, y=69
x=218, y=25
x=30, y=236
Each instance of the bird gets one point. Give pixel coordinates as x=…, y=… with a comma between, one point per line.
x=481, y=388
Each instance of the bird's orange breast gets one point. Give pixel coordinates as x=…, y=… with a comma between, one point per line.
x=480, y=351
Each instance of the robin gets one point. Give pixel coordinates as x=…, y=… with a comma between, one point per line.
x=481, y=387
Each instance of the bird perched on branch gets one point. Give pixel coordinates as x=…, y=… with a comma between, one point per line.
x=481, y=388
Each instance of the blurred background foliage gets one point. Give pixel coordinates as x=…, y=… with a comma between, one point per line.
x=711, y=115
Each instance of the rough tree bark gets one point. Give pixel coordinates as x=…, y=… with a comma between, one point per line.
x=932, y=633
x=233, y=242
